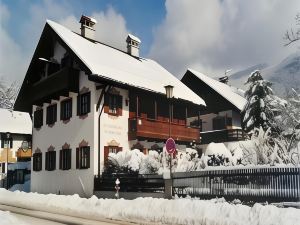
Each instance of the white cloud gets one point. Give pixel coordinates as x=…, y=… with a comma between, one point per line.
x=11, y=57
x=111, y=29
x=212, y=36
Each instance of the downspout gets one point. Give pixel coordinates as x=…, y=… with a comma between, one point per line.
x=103, y=92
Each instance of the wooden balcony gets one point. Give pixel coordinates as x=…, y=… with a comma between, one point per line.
x=225, y=135
x=145, y=128
x=59, y=83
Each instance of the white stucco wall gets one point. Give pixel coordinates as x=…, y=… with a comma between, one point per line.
x=114, y=127
x=73, y=132
x=207, y=119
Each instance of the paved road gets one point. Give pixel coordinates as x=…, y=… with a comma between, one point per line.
x=35, y=217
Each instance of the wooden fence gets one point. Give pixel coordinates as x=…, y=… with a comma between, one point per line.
x=252, y=184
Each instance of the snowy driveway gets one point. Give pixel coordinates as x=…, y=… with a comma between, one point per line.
x=10, y=215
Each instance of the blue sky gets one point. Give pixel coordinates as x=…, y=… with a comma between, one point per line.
x=210, y=36
x=141, y=15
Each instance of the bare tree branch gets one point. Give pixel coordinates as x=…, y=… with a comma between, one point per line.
x=293, y=35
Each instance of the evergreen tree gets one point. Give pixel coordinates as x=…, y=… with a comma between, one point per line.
x=258, y=111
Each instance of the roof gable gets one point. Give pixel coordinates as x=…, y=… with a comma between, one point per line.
x=222, y=89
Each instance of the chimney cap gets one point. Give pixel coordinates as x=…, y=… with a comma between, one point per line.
x=83, y=17
x=132, y=37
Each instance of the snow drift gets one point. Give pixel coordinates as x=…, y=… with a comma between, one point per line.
x=145, y=210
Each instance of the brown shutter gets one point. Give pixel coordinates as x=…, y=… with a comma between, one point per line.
x=78, y=105
x=106, y=152
x=89, y=102
x=69, y=158
x=77, y=158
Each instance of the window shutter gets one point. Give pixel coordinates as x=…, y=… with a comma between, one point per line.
x=89, y=102
x=106, y=99
x=70, y=107
x=78, y=105
x=106, y=152
x=88, y=156
x=11, y=142
x=60, y=159
x=119, y=103
x=55, y=113
x=69, y=158
x=33, y=162
x=77, y=158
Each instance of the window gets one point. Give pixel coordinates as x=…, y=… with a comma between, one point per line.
x=83, y=157
x=51, y=114
x=37, y=161
x=66, y=109
x=38, y=118
x=113, y=104
x=6, y=142
x=50, y=160
x=110, y=149
x=65, y=159
x=83, y=104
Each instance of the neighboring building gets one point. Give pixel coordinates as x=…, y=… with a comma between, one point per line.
x=15, y=139
x=89, y=99
x=221, y=119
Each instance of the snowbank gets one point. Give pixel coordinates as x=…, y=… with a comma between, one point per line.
x=6, y=218
x=217, y=149
x=143, y=210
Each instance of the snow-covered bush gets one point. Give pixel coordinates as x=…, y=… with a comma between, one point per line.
x=133, y=161
x=264, y=149
x=187, y=161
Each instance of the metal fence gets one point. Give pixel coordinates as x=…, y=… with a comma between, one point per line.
x=130, y=183
x=252, y=184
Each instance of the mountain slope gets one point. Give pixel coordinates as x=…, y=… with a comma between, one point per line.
x=284, y=75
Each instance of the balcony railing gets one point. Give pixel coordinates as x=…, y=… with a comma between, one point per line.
x=225, y=135
x=157, y=129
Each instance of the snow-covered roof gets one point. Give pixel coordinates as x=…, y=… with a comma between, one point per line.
x=15, y=122
x=115, y=65
x=223, y=89
x=134, y=38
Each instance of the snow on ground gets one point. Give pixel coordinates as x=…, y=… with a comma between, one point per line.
x=143, y=210
x=6, y=218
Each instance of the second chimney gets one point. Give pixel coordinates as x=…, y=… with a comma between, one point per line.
x=133, y=45
x=87, y=27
